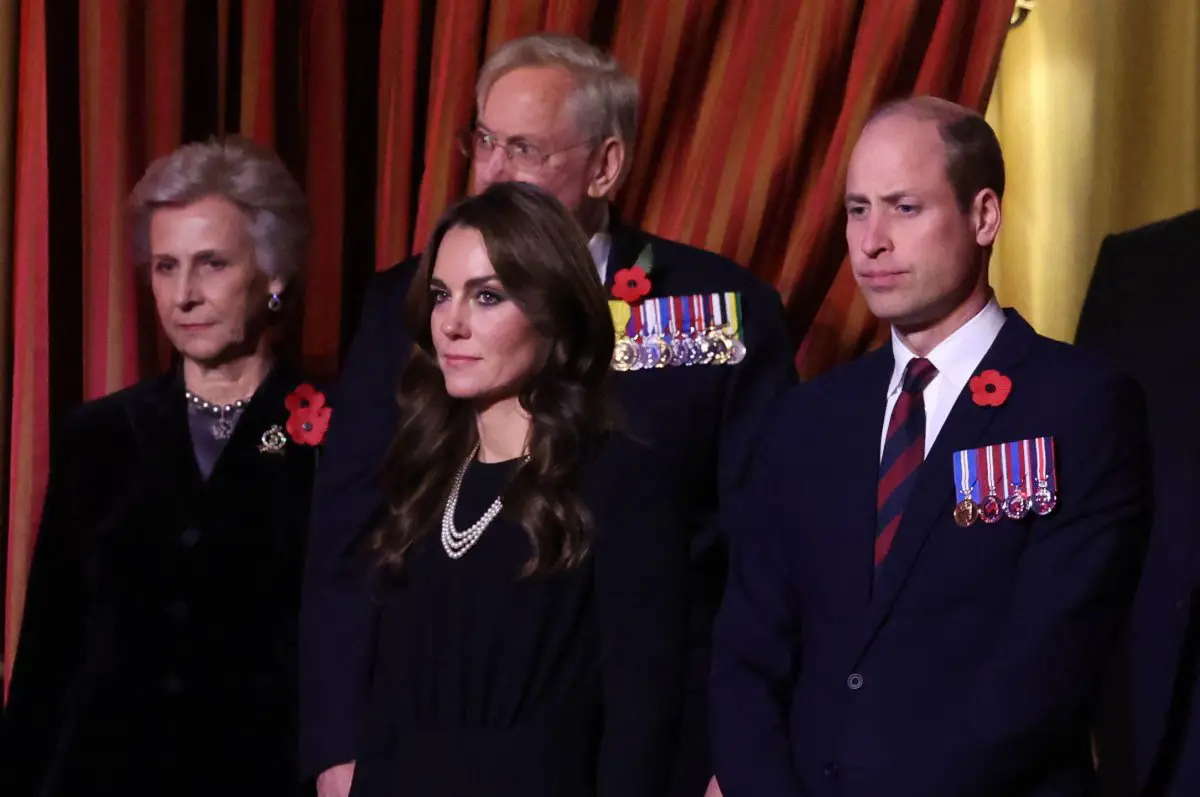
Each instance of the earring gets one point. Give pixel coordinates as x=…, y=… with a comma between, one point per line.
x=274, y=303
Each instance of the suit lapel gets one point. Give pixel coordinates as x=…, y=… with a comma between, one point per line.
x=160, y=425
x=931, y=501
x=627, y=243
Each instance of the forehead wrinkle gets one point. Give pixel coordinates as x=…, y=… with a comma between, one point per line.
x=542, y=96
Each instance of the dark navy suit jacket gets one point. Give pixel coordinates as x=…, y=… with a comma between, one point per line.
x=705, y=418
x=1141, y=311
x=971, y=666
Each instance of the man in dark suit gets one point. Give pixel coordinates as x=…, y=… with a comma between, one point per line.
x=937, y=543
x=1141, y=311
x=553, y=111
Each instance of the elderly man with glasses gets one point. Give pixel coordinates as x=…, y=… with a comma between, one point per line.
x=702, y=350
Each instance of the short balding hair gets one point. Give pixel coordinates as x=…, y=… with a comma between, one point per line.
x=974, y=160
x=604, y=97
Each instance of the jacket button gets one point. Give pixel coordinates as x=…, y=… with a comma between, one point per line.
x=190, y=536
x=172, y=684
x=855, y=681
x=831, y=770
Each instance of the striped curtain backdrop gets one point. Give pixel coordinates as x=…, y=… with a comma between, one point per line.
x=749, y=111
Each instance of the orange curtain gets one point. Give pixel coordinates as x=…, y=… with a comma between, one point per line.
x=749, y=111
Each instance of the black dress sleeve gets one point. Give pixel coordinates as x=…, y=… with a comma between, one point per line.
x=641, y=607
x=50, y=649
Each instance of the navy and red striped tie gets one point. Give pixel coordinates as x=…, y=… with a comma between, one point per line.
x=903, y=453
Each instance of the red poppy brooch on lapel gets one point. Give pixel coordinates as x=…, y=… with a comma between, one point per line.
x=308, y=417
x=990, y=388
x=632, y=284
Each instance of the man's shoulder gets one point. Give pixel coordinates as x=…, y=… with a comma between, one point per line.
x=702, y=271
x=1070, y=385
x=833, y=394
x=1141, y=258
x=396, y=279
x=1185, y=226
x=1073, y=369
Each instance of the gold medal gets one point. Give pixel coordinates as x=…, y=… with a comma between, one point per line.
x=625, y=355
x=965, y=512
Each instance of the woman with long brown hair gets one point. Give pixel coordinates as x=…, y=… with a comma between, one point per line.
x=532, y=633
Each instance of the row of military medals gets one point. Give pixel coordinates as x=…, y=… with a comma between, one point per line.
x=1008, y=472
x=678, y=330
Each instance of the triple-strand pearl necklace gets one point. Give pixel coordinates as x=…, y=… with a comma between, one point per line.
x=458, y=542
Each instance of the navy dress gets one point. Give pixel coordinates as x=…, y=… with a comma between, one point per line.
x=567, y=685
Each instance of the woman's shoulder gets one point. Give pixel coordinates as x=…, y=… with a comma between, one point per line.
x=112, y=412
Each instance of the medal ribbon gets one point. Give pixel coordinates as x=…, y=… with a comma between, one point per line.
x=1004, y=469
x=1045, y=463
x=991, y=472
x=635, y=323
x=1027, y=467
x=964, y=476
x=720, y=317
x=733, y=302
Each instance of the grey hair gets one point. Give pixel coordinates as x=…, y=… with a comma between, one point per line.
x=246, y=174
x=605, y=97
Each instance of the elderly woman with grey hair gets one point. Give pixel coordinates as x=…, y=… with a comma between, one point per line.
x=158, y=650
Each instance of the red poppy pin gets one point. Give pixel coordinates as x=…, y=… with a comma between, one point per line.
x=990, y=388
x=308, y=417
x=631, y=284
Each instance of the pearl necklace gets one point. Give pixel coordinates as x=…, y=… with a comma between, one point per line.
x=222, y=429
x=458, y=542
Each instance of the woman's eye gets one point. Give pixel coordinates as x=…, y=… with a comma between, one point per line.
x=489, y=297
x=439, y=295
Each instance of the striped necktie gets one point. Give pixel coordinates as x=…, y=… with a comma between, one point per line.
x=903, y=453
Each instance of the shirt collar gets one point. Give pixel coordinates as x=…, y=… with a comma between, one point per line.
x=957, y=356
x=600, y=245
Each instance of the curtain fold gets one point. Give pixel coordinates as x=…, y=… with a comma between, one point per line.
x=29, y=450
x=8, y=118
x=749, y=110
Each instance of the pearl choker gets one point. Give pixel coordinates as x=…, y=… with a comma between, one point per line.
x=222, y=429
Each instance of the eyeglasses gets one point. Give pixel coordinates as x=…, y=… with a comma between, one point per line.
x=480, y=144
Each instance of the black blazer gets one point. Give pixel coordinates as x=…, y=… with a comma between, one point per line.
x=1141, y=309
x=157, y=653
x=703, y=418
x=968, y=665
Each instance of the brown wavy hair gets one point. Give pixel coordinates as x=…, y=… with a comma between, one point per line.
x=541, y=257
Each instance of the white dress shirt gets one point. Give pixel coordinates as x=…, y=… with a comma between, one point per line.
x=955, y=358
x=600, y=245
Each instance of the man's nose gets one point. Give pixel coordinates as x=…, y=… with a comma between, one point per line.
x=494, y=168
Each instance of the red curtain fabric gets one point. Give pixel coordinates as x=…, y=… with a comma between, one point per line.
x=749, y=111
